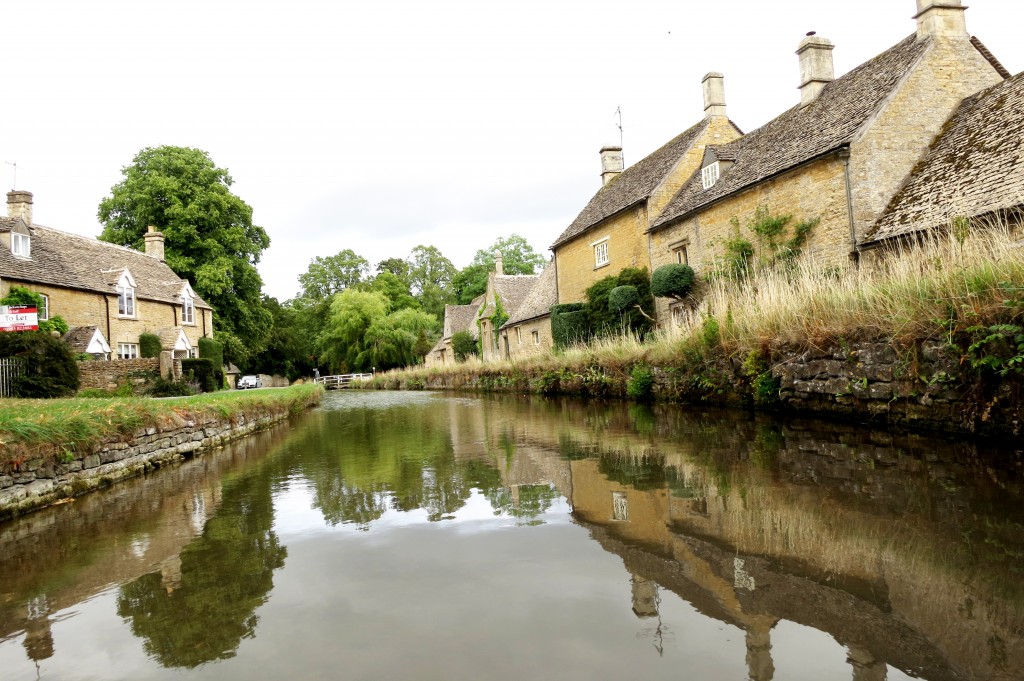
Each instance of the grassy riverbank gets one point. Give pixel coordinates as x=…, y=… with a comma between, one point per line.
x=963, y=290
x=74, y=424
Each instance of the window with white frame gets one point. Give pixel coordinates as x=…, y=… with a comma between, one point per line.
x=536, y=337
x=21, y=245
x=188, y=310
x=709, y=175
x=519, y=335
x=44, y=310
x=127, y=350
x=601, y=253
x=125, y=301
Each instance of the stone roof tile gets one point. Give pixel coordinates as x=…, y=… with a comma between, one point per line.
x=538, y=303
x=800, y=134
x=72, y=261
x=974, y=167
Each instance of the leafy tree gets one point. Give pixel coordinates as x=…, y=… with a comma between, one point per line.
x=210, y=238
x=333, y=274
x=621, y=298
x=395, y=288
x=518, y=257
x=672, y=281
x=396, y=266
x=289, y=350
x=464, y=345
x=430, y=277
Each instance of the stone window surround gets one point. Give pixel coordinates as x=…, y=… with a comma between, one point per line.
x=601, y=256
x=680, y=251
x=536, y=337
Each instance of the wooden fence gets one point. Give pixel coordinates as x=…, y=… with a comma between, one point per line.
x=10, y=369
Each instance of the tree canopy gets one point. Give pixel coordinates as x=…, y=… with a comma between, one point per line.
x=333, y=274
x=518, y=257
x=209, y=235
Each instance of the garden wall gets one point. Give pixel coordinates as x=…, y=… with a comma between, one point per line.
x=108, y=375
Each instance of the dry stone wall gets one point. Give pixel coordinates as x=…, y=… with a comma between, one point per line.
x=34, y=483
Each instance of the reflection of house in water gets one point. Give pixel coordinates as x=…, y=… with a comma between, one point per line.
x=754, y=524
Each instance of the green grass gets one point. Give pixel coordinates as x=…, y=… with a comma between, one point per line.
x=30, y=427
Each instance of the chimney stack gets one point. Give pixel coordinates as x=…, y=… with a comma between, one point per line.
x=499, y=263
x=19, y=205
x=714, y=95
x=611, y=164
x=940, y=18
x=816, y=69
x=155, y=243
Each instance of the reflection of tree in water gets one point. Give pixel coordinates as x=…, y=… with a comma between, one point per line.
x=523, y=501
x=365, y=462
x=226, y=573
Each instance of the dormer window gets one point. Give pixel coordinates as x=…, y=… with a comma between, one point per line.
x=21, y=245
x=709, y=175
x=188, y=309
x=126, y=295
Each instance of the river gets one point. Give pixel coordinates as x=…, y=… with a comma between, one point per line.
x=403, y=535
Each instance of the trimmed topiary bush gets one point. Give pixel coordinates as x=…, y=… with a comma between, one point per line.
x=202, y=371
x=149, y=345
x=51, y=369
x=672, y=281
x=621, y=298
x=212, y=350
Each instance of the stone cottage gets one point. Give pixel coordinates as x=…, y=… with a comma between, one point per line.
x=840, y=155
x=503, y=298
x=456, y=318
x=114, y=293
x=609, y=234
x=528, y=330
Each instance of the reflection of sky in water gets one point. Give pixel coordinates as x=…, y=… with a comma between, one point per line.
x=295, y=515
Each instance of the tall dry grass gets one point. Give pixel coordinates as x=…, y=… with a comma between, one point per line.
x=926, y=290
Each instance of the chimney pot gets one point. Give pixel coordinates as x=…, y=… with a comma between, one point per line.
x=714, y=94
x=816, y=70
x=940, y=18
x=154, y=243
x=19, y=205
x=611, y=164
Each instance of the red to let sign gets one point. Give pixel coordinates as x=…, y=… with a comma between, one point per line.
x=16, y=318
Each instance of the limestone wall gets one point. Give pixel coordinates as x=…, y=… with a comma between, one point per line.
x=31, y=484
x=109, y=375
x=627, y=247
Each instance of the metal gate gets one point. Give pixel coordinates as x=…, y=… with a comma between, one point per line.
x=10, y=369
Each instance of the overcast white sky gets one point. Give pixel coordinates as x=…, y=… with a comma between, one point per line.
x=380, y=125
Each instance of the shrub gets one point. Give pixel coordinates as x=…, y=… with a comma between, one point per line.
x=19, y=295
x=463, y=345
x=150, y=345
x=622, y=298
x=641, y=383
x=164, y=388
x=202, y=371
x=672, y=281
x=604, y=320
x=212, y=350
x=569, y=324
x=51, y=369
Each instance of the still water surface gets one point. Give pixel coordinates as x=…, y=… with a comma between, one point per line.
x=419, y=536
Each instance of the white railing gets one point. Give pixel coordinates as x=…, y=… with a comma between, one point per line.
x=342, y=380
x=10, y=369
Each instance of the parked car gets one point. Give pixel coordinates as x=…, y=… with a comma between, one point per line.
x=249, y=382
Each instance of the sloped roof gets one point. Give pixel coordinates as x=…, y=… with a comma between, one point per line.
x=636, y=183
x=80, y=337
x=78, y=262
x=460, y=318
x=800, y=134
x=512, y=289
x=540, y=299
x=975, y=166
